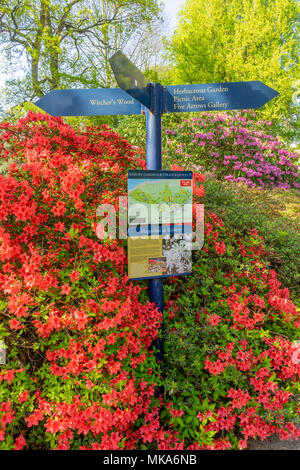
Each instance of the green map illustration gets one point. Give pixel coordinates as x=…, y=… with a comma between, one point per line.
x=166, y=195
x=162, y=192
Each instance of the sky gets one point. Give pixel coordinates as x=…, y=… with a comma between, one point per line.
x=171, y=9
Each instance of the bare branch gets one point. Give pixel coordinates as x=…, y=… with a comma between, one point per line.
x=61, y=23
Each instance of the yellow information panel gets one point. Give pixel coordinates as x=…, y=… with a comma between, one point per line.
x=145, y=257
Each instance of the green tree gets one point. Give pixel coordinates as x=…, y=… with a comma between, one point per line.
x=237, y=40
x=66, y=43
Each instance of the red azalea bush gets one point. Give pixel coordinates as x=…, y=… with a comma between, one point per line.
x=79, y=374
x=232, y=362
x=77, y=332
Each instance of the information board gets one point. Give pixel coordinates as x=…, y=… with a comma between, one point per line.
x=159, y=223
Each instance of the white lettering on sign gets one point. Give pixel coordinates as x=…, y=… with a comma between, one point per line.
x=111, y=102
x=198, y=98
x=103, y=102
x=122, y=101
x=179, y=106
x=187, y=103
x=189, y=106
x=211, y=89
x=183, y=98
x=193, y=99
x=187, y=99
x=196, y=106
x=217, y=105
x=197, y=91
x=183, y=91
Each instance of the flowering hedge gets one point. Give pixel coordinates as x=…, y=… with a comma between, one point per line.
x=79, y=373
x=231, y=358
x=77, y=332
x=236, y=147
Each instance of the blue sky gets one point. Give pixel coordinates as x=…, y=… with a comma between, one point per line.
x=171, y=8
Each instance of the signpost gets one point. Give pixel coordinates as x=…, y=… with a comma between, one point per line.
x=136, y=96
x=217, y=96
x=130, y=78
x=92, y=102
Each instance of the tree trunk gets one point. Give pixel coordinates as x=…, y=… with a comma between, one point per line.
x=35, y=53
x=53, y=54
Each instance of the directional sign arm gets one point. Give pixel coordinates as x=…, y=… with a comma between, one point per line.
x=89, y=102
x=130, y=78
x=217, y=96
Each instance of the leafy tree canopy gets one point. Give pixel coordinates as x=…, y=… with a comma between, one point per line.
x=236, y=40
x=67, y=43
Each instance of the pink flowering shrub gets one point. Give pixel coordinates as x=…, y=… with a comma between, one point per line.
x=79, y=371
x=235, y=147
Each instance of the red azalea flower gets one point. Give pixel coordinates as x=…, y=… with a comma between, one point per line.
x=15, y=324
x=74, y=276
x=176, y=413
x=20, y=442
x=220, y=248
x=23, y=396
x=60, y=226
x=59, y=209
x=66, y=289
x=214, y=320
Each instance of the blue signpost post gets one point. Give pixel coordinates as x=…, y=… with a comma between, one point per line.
x=153, y=152
x=136, y=96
